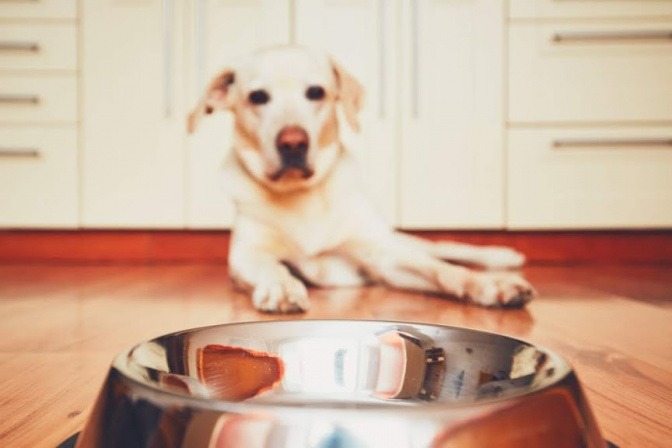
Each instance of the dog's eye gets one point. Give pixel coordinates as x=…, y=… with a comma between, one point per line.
x=259, y=97
x=315, y=93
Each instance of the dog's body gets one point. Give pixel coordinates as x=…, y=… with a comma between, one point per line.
x=300, y=211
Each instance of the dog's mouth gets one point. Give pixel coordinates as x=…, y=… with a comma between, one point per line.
x=293, y=168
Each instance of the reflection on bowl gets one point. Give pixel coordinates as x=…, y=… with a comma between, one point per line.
x=332, y=384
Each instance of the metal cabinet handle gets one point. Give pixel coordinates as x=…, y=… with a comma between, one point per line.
x=33, y=47
x=604, y=143
x=382, y=48
x=606, y=36
x=19, y=99
x=167, y=9
x=19, y=152
x=415, y=58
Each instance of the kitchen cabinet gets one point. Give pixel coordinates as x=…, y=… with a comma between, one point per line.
x=140, y=169
x=219, y=33
x=589, y=9
x=589, y=115
x=526, y=114
x=43, y=9
x=367, y=48
x=39, y=152
x=452, y=156
x=38, y=177
x=431, y=148
x=616, y=71
x=133, y=114
x=597, y=177
x=35, y=98
x=38, y=46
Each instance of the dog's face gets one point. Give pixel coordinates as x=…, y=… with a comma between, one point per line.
x=284, y=104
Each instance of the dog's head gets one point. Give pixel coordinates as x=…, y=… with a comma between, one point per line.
x=284, y=104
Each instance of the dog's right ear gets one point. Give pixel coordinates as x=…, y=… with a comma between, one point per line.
x=217, y=96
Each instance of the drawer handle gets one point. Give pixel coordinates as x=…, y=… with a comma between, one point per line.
x=19, y=99
x=619, y=36
x=20, y=152
x=32, y=47
x=611, y=143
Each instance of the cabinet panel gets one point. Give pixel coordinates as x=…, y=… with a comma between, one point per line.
x=452, y=158
x=133, y=130
x=366, y=47
x=220, y=32
x=590, y=178
x=581, y=9
x=590, y=73
x=38, y=177
x=41, y=47
x=38, y=99
x=42, y=9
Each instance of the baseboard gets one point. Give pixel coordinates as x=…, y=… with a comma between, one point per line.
x=148, y=246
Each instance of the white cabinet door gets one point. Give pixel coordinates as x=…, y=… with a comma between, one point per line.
x=221, y=31
x=590, y=177
x=43, y=9
x=363, y=36
x=133, y=113
x=38, y=176
x=617, y=71
x=452, y=135
x=589, y=9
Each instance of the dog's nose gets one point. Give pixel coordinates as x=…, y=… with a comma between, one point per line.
x=292, y=141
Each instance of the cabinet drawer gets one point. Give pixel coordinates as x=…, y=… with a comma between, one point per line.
x=38, y=99
x=590, y=178
x=51, y=47
x=619, y=71
x=38, y=177
x=542, y=9
x=38, y=9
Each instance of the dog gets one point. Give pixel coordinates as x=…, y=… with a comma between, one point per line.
x=301, y=216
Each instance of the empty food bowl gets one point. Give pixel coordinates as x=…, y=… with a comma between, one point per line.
x=329, y=384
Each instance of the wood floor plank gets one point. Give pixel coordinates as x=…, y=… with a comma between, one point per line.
x=60, y=326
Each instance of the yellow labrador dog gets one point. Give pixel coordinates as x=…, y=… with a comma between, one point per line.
x=301, y=217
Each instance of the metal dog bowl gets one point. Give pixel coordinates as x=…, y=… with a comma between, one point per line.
x=330, y=384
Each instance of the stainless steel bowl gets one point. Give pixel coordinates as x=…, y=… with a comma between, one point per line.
x=334, y=384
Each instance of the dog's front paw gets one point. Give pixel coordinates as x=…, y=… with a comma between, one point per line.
x=499, y=257
x=498, y=290
x=288, y=295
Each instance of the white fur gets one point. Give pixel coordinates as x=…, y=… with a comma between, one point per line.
x=324, y=227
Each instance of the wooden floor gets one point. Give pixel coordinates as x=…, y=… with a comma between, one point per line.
x=61, y=325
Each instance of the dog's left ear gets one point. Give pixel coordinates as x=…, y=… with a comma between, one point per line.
x=217, y=96
x=350, y=94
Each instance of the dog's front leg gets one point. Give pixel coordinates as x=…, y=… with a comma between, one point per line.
x=258, y=269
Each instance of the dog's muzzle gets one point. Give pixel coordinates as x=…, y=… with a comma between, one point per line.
x=292, y=143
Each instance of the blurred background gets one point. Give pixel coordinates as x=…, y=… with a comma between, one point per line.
x=545, y=125
x=480, y=115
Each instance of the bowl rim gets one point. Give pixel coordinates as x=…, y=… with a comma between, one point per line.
x=563, y=371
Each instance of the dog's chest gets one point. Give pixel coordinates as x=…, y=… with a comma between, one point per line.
x=317, y=223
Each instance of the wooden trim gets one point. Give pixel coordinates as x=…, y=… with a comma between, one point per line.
x=114, y=246
x=606, y=247
x=613, y=247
